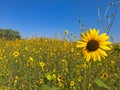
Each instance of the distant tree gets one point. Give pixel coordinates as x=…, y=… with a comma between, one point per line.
x=9, y=34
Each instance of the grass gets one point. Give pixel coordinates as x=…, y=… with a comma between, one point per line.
x=52, y=64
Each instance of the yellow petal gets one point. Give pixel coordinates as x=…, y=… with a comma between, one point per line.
x=88, y=56
x=98, y=55
x=88, y=36
x=84, y=38
x=81, y=44
x=105, y=47
x=103, y=37
x=94, y=56
x=105, y=43
x=102, y=52
x=94, y=33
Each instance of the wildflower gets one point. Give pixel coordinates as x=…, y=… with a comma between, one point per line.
x=60, y=84
x=16, y=60
x=31, y=59
x=41, y=81
x=16, y=77
x=66, y=32
x=16, y=80
x=79, y=79
x=72, y=49
x=26, y=48
x=42, y=64
x=16, y=54
x=48, y=77
x=53, y=76
x=84, y=65
x=77, y=66
x=59, y=78
x=64, y=62
x=94, y=46
x=22, y=85
x=72, y=83
x=105, y=75
x=113, y=63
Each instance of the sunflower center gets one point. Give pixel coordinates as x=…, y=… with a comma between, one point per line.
x=92, y=45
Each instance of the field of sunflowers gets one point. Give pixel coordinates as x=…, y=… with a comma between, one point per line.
x=53, y=64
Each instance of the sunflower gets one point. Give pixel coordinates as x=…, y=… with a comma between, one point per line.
x=94, y=45
x=16, y=54
x=41, y=81
x=66, y=32
x=49, y=77
x=59, y=78
x=72, y=83
x=105, y=75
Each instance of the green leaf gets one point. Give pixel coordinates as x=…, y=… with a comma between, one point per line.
x=101, y=84
x=45, y=87
x=74, y=88
x=54, y=88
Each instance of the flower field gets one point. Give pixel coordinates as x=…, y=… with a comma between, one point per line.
x=52, y=64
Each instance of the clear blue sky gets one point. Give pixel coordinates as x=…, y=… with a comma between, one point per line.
x=50, y=17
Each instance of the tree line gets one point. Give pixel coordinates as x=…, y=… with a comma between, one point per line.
x=9, y=34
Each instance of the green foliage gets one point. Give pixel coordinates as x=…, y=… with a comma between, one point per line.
x=63, y=63
x=101, y=83
x=117, y=47
x=45, y=87
x=9, y=34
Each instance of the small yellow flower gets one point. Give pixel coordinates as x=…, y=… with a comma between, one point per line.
x=53, y=76
x=41, y=81
x=16, y=54
x=59, y=78
x=42, y=64
x=26, y=48
x=16, y=60
x=15, y=82
x=105, y=76
x=64, y=62
x=84, y=65
x=72, y=49
x=31, y=59
x=72, y=83
x=113, y=63
x=60, y=84
x=79, y=79
x=66, y=32
x=1, y=54
x=16, y=77
x=48, y=77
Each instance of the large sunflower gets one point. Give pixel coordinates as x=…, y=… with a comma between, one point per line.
x=94, y=45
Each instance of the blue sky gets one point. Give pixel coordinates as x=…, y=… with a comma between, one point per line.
x=50, y=17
